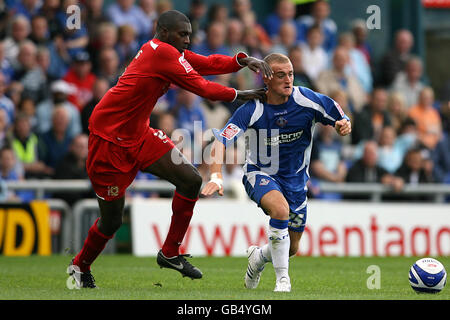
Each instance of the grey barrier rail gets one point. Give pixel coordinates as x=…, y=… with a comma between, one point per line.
x=66, y=222
x=84, y=214
x=374, y=190
x=50, y=185
x=78, y=218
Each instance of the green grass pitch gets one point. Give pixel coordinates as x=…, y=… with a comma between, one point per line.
x=128, y=277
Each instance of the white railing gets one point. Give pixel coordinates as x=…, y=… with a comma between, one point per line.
x=374, y=190
x=74, y=230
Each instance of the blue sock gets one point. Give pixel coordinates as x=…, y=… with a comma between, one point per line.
x=279, y=224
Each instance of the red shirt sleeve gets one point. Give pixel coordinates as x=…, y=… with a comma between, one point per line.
x=172, y=66
x=215, y=63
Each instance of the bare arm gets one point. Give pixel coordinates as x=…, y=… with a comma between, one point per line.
x=216, y=182
x=395, y=182
x=321, y=172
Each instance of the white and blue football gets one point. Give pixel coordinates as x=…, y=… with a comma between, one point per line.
x=427, y=275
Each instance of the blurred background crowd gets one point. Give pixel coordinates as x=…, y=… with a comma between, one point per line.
x=52, y=76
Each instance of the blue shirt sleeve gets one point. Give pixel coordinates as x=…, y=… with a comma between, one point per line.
x=327, y=110
x=236, y=125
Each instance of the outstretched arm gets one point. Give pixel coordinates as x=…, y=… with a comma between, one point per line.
x=215, y=183
x=176, y=69
x=222, y=64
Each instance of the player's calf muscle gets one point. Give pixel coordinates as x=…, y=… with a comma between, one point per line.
x=295, y=242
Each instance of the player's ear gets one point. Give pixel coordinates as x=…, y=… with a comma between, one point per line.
x=164, y=33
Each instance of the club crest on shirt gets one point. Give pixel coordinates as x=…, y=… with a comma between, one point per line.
x=281, y=122
x=186, y=65
x=113, y=191
x=264, y=182
x=230, y=131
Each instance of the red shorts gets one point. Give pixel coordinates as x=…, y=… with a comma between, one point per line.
x=112, y=168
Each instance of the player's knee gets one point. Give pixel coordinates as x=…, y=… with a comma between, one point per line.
x=192, y=183
x=196, y=181
x=279, y=211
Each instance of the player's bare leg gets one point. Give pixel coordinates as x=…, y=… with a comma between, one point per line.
x=277, y=250
x=295, y=237
x=111, y=215
x=187, y=181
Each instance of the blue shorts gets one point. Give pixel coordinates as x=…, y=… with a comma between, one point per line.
x=257, y=185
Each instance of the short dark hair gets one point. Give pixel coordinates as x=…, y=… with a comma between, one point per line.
x=168, y=20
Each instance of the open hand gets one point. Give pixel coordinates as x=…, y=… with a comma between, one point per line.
x=210, y=188
x=257, y=66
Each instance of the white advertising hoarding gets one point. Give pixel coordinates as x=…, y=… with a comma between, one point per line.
x=228, y=228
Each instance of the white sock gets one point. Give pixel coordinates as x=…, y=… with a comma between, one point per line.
x=279, y=247
x=266, y=255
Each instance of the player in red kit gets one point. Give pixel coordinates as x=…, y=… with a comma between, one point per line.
x=121, y=142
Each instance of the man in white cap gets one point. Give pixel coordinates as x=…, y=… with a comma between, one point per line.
x=60, y=89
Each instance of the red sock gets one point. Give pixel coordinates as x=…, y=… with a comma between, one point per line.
x=183, y=209
x=93, y=246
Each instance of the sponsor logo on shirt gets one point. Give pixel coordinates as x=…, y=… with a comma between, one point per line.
x=280, y=113
x=186, y=65
x=230, y=131
x=283, y=138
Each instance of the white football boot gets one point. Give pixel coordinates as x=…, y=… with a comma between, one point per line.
x=283, y=285
x=253, y=274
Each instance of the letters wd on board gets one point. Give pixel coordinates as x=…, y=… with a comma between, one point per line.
x=25, y=229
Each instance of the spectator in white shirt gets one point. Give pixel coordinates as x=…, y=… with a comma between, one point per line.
x=315, y=58
x=409, y=82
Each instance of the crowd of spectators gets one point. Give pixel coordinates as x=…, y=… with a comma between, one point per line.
x=52, y=76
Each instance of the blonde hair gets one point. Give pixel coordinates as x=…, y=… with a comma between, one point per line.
x=276, y=58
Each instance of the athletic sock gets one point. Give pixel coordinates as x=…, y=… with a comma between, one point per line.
x=260, y=258
x=279, y=246
x=265, y=254
x=183, y=209
x=93, y=246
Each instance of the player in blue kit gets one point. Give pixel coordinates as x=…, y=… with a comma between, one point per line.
x=279, y=135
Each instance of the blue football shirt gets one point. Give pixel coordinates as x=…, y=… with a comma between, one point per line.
x=279, y=138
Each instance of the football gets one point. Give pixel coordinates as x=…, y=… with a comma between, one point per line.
x=427, y=275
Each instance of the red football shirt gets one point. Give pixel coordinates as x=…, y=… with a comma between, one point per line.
x=123, y=114
x=84, y=87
